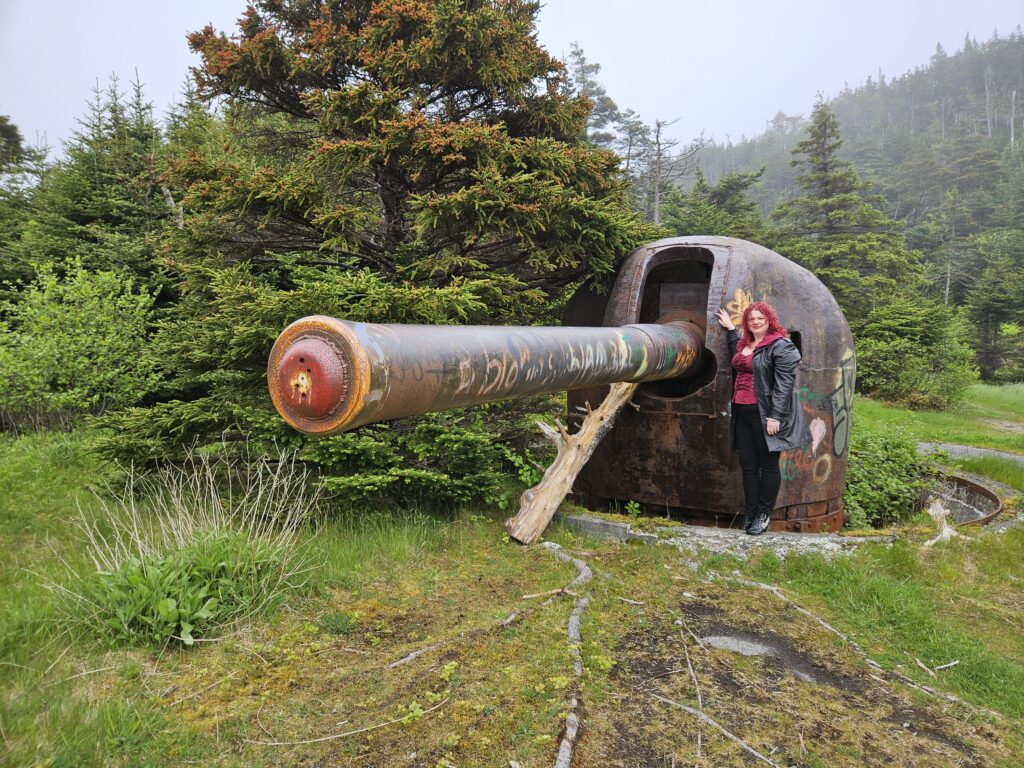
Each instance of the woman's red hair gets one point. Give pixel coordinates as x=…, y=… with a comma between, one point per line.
x=774, y=326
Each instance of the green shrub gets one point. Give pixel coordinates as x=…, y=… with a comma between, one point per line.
x=73, y=346
x=884, y=478
x=915, y=354
x=186, y=592
x=186, y=549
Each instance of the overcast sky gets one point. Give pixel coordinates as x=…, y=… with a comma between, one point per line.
x=721, y=68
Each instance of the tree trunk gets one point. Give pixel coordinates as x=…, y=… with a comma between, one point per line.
x=1013, y=113
x=538, y=504
x=988, y=102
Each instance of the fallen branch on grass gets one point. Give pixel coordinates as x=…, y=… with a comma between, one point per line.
x=642, y=683
x=717, y=726
x=940, y=515
x=572, y=720
x=559, y=591
x=201, y=690
x=82, y=674
x=696, y=687
x=341, y=735
x=857, y=647
x=537, y=505
x=411, y=656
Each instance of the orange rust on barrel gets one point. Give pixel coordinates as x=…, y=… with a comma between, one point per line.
x=318, y=374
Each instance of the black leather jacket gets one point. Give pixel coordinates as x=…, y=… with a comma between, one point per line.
x=774, y=368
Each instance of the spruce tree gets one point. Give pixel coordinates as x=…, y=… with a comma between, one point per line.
x=100, y=205
x=910, y=349
x=720, y=209
x=838, y=230
x=385, y=161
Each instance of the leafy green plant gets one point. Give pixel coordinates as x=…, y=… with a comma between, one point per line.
x=632, y=509
x=186, y=549
x=884, y=478
x=73, y=346
x=341, y=623
x=188, y=591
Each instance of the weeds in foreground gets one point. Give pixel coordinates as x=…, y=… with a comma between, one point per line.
x=188, y=548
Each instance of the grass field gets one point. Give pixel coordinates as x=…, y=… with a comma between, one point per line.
x=399, y=652
x=1005, y=471
x=990, y=417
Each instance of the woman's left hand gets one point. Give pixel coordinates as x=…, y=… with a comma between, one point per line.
x=772, y=426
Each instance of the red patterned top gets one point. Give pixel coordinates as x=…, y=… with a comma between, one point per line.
x=743, y=388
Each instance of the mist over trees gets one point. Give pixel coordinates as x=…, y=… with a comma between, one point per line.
x=940, y=151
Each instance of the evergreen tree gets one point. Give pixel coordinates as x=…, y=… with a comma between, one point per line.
x=20, y=169
x=100, y=206
x=390, y=161
x=604, y=114
x=909, y=349
x=720, y=209
x=12, y=151
x=838, y=231
x=995, y=304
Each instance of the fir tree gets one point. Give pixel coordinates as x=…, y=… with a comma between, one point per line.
x=100, y=206
x=390, y=161
x=838, y=231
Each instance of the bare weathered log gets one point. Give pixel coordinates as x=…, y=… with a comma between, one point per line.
x=537, y=505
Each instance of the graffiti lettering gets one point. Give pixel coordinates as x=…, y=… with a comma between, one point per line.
x=788, y=469
x=741, y=300
x=842, y=402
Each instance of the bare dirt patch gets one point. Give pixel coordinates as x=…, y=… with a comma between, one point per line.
x=803, y=701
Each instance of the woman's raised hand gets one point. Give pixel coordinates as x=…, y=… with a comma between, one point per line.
x=724, y=320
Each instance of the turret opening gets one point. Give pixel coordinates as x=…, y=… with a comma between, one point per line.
x=678, y=290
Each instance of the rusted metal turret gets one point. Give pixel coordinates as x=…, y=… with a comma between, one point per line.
x=656, y=326
x=674, y=454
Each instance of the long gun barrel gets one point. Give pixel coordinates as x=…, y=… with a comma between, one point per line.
x=328, y=375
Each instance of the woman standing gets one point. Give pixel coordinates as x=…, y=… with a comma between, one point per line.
x=766, y=414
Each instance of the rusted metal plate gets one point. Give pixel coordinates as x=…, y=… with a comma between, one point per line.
x=675, y=453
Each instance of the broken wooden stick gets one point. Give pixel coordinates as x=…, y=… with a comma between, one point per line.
x=718, y=726
x=700, y=699
x=404, y=718
x=538, y=504
x=940, y=515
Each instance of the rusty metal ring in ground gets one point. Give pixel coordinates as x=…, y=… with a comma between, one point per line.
x=318, y=375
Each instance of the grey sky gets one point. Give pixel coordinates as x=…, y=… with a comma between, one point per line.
x=720, y=68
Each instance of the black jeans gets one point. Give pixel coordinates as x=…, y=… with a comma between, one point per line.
x=761, y=476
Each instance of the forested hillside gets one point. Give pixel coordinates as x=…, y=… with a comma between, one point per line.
x=943, y=147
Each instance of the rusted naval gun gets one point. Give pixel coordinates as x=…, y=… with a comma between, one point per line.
x=673, y=454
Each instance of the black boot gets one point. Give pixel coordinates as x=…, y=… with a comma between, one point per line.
x=760, y=524
x=748, y=520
